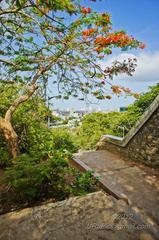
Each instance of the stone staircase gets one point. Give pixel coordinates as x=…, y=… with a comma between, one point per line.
x=118, y=165
x=139, y=183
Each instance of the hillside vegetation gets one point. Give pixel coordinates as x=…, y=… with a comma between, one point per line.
x=95, y=125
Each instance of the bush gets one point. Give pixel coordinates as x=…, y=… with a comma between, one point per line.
x=4, y=157
x=34, y=179
x=93, y=126
x=129, y=118
x=63, y=140
x=84, y=183
x=41, y=170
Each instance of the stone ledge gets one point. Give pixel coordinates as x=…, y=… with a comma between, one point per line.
x=94, y=216
x=81, y=166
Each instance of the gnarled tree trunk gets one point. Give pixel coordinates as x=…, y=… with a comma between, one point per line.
x=10, y=137
x=5, y=123
x=6, y=126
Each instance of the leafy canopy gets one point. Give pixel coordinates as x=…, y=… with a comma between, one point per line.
x=62, y=42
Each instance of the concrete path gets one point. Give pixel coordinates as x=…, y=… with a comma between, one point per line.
x=139, y=183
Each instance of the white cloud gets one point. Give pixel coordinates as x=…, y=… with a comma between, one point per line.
x=147, y=69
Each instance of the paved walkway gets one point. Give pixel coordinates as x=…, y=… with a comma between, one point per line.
x=139, y=183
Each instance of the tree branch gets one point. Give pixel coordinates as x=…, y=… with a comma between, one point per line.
x=19, y=101
x=31, y=88
x=7, y=62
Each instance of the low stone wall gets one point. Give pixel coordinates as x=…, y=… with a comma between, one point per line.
x=143, y=146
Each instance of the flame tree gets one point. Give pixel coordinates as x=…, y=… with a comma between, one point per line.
x=62, y=41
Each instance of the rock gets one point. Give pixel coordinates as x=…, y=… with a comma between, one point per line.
x=94, y=216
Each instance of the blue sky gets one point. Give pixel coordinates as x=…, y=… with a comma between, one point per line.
x=139, y=18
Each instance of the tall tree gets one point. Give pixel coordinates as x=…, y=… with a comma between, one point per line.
x=62, y=41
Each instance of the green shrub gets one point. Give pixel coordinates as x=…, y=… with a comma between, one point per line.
x=63, y=140
x=34, y=179
x=4, y=157
x=84, y=183
x=41, y=170
x=129, y=118
x=93, y=126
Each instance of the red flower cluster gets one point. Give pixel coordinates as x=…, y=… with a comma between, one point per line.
x=126, y=90
x=121, y=39
x=142, y=45
x=85, y=10
x=88, y=32
x=116, y=89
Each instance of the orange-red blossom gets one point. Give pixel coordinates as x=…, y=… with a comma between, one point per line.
x=88, y=32
x=85, y=10
x=120, y=39
x=142, y=45
x=116, y=89
x=114, y=38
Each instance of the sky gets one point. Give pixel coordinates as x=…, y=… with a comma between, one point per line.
x=139, y=18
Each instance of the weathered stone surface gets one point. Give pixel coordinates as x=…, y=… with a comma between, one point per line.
x=94, y=216
x=139, y=183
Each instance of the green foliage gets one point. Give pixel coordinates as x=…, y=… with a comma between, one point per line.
x=4, y=156
x=129, y=118
x=63, y=140
x=145, y=100
x=30, y=124
x=35, y=179
x=84, y=183
x=41, y=170
x=93, y=126
x=97, y=124
x=44, y=171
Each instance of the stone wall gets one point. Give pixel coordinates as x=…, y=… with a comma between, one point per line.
x=143, y=146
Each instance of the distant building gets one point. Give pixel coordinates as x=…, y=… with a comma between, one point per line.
x=123, y=109
x=65, y=114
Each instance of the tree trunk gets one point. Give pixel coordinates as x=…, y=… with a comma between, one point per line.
x=6, y=126
x=5, y=123
x=10, y=137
